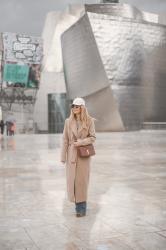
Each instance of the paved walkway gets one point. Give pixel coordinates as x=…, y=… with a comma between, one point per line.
x=127, y=194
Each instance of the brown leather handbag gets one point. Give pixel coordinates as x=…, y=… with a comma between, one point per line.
x=86, y=151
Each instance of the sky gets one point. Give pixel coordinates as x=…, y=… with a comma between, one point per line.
x=28, y=16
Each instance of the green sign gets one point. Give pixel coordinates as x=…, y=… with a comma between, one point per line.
x=16, y=73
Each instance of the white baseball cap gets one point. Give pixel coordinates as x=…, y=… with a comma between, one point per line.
x=79, y=101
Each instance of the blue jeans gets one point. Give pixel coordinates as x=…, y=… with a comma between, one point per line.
x=81, y=207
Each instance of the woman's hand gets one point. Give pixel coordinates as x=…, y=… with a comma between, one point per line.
x=77, y=143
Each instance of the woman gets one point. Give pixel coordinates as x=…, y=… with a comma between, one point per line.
x=79, y=130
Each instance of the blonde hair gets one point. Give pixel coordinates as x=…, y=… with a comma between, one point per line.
x=84, y=117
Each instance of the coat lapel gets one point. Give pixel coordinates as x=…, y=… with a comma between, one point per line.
x=78, y=133
x=74, y=128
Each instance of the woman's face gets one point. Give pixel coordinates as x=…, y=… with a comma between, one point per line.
x=76, y=109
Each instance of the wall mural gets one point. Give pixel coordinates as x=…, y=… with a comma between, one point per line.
x=21, y=48
x=20, y=58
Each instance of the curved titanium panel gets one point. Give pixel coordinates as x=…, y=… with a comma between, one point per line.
x=103, y=108
x=83, y=67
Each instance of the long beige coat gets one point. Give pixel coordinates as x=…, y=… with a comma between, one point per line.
x=77, y=168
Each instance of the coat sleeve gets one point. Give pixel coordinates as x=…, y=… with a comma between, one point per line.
x=91, y=137
x=65, y=143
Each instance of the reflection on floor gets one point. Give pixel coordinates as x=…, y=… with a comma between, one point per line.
x=127, y=194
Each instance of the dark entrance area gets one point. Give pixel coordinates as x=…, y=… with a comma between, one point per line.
x=58, y=110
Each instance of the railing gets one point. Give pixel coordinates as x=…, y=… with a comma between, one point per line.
x=154, y=125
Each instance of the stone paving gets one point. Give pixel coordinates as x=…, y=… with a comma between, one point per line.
x=127, y=194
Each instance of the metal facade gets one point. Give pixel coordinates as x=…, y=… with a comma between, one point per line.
x=114, y=47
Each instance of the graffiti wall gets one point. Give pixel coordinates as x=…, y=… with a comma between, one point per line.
x=21, y=48
x=22, y=57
